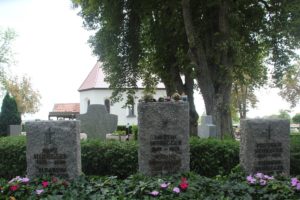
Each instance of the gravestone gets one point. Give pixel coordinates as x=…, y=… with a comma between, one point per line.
x=15, y=130
x=163, y=138
x=207, y=128
x=53, y=148
x=265, y=146
x=97, y=122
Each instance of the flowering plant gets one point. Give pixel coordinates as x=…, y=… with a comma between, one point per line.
x=259, y=178
x=165, y=187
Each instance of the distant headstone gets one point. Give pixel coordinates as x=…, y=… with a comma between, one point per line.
x=15, y=130
x=207, y=128
x=265, y=146
x=97, y=122
x=163, y=138
x=53, y=148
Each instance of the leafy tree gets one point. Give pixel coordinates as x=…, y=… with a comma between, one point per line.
x=211, y=42
x=9, y=114
x=6, y=55
x=296, y=118
x=290, y=90
x=283, y=114
x=28, y=100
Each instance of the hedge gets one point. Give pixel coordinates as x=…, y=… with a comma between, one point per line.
x=209, y=157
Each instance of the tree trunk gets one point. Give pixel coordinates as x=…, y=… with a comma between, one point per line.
x=221, y=112
x=189, y=91
x=216, y=92
x=174, y=84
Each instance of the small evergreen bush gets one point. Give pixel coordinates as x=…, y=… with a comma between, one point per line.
x=9, y=114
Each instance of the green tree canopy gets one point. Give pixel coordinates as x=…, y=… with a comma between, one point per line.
x=296, y=118
x=214, y=42
x=9, y=114
x=290, y=90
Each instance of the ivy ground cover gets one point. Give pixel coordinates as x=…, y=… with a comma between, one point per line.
x=183, y=186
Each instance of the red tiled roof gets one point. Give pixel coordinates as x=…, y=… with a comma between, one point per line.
x=95, y=80
x=66, y=107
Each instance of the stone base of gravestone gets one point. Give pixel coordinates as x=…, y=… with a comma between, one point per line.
x=207, y=128
x=265, y=146
x=163, y=138
x=53, y=148
x=15, y=130
x=97, y=122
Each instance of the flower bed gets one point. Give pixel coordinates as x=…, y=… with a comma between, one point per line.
x=184, y=186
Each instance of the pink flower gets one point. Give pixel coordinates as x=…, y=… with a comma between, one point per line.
x=268, y=177
x=45, y=184
x=176, y=190
x=183, y=184
x=250, y=179
x=298, y=186
x=259, y=175
x=154, y=193
x=14, y=187
x=17, y=178
x=164, y=185
x=262, y=182
x=25, y=180
x=38, y=192
x=294, y=181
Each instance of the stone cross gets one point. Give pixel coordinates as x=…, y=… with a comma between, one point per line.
x=97, y=122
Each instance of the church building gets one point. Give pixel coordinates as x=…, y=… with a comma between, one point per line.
x=94, y=90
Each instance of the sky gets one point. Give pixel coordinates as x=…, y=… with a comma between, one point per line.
x=51, y=48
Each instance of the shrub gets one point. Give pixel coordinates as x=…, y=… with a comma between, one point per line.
x=109, y=158
x=209, y=157
x=12, y=156
x=295, y=154
x=9, y=114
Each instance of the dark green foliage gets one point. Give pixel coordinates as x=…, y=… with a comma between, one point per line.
x=209, y=157
x=295, y=154
x=12, y=156
x=109, y=158
x=9, y=114
x=296, y=118
x=138, y=187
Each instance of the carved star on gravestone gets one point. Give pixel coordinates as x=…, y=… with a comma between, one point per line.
x=96, y=123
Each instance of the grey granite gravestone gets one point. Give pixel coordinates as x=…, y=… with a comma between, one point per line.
x=265, y=146
x=97, y=122
x=207, y=128
x=163, y=138
x=53, y=148
x=15, y=130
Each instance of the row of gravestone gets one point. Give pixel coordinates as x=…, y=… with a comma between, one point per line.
x=53, y=147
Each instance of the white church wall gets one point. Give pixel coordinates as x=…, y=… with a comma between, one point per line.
x=98, y=96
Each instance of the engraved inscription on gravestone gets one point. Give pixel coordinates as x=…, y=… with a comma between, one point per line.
x=265, y=146
x=166, y=152
x=163, y=138
x=53, y=148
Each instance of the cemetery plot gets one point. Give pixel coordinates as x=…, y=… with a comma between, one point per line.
x=53, y=148
x=265, y=146
x=163, y=138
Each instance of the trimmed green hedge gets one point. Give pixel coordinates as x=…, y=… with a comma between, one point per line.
x=295, y=154
x=209, y=157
